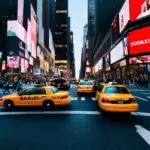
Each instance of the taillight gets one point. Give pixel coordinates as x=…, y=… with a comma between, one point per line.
x=133, y=100
x=1, y=99
x=78, y=87
x=105, y=100
x=63, y=97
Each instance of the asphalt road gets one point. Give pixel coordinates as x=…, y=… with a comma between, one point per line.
x=78, y=126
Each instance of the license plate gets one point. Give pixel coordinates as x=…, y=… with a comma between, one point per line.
x=120, y=102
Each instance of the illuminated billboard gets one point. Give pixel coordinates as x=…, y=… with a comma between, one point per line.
x=12, y=62
x=14, y=28
x=139, y=41
x=20, y=11
x=33, y=32
x=140, y=59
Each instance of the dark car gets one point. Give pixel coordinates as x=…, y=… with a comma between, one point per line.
x=60, y=83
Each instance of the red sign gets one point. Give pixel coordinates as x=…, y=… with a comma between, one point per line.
x=139, y=9
x=139, y=41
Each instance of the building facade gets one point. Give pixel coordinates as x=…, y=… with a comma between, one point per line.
x=61, y=36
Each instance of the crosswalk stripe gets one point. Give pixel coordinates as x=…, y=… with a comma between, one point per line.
x=148, y=96
x=82, y=98
x=74, y=99
x=144, y=93
x=141, y=98
x=94, y=99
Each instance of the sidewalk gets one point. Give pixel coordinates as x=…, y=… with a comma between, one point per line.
x=137, y=87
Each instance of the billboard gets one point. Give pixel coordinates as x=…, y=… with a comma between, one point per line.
x=139, y=9
x=140, y=59
x=106, y=60
x=14, y=28
x=12, y=62
x=33, y=32
x=20, y=11
x=22, y=65
x=124, y=16
x=139, y=41
x=99, y=65
x=1, y=54
x=31, y=60
x=117, y=53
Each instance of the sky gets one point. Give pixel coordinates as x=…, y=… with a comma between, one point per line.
x=78, y=14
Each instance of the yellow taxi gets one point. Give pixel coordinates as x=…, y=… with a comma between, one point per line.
x=85, y=86
x=46, y=96
x=115, y=98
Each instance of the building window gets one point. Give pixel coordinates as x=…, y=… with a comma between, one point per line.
x=61, y=46
x=63, y=25
x=59, y=33
x=61, y=11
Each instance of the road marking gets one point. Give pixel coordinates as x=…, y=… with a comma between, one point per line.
x=82, y=98
x=148, y=96
x=141, y=98
x=145, y=134
x=51, y=113
x=94, y=99
x=74, y=99
x=144, y=93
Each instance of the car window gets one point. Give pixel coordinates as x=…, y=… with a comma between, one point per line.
x=86, y=83
x=28, y=92
x=39, y=91
x=54, y=90
x=100, y=88
x=116, y=90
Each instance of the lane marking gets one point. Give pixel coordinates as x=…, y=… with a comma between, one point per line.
x=94, y=99
x=144, y=93
x=145, y=134
x=52, y=113
x=148, y=96
x=74, y=99
x=143, y=99
x=82, y=98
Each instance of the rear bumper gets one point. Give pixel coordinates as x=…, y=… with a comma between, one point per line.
x=63, y=102
x=1, y=103
x=119, y=107
x=85, y=91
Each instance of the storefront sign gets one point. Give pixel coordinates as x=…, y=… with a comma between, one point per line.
x=117, y=53
x=139, y=9
x=123, y=63
x=139, y=41
x=124, y=16
x=140, y=59
x=108, y=68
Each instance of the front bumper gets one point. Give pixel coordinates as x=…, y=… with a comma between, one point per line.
x=119, y=107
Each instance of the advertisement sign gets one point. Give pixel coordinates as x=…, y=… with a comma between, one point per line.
x=37, y=71
x=139, y=41
x=12, y=62
x=38, y=51
x=33, y=32
x=1, y=54
x=26, y=64
x=148, y=67
x=88, y=70
x=106, y=60
x=124, y=16
x=99, y=65
x=139, y=9
x=87, y=63
x=42, y=65
x=140, y=59
x=14, y=28
x=21, y=54
x=117, y=53
x=22, y=65
x=31, y=61
x=20, y=11
x=125, y=46
x=29, y=37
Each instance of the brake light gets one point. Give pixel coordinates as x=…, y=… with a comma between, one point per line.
x=1, y=99
x=134, y=100
x=64, y=97
x=105, y=100
x=78, y=87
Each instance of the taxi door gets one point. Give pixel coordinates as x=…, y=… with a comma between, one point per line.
x=32, y=97
x=98, y=91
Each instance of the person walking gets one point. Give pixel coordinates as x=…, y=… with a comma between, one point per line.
x=14, y=86
x=6, y=87
x=19, y=85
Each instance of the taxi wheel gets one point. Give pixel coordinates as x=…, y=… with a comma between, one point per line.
x=8, y=104
x=48, y=104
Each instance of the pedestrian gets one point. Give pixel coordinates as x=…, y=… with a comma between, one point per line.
x=19, y=85
x=14, y=86
x=6, y=87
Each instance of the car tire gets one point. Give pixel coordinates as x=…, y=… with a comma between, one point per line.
x=8, y=104
x=48, y=104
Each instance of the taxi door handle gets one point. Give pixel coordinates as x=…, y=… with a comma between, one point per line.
x=43, y=96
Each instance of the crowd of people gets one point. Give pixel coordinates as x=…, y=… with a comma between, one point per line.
x=142, y=81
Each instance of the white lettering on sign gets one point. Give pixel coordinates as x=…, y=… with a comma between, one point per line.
x=141, y=42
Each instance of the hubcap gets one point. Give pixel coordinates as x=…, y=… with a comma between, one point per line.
x=9, y=105
x=48, y=104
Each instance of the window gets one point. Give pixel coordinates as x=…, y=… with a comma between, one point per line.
x=39, y=91
x=61, y=46
x=61, y=11
x=54, y=90
x=86, y=83
x=115, y=90
x=28, y=92
x=100, y=88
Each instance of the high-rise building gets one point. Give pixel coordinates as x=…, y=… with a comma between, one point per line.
x=61, y=35
x=91, y=28
x=72, y=57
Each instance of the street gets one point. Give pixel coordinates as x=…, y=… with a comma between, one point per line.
x=77, y=126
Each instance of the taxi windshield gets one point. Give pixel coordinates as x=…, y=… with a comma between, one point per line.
x=115, y=90
x=86, y=83
x=54, y=90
